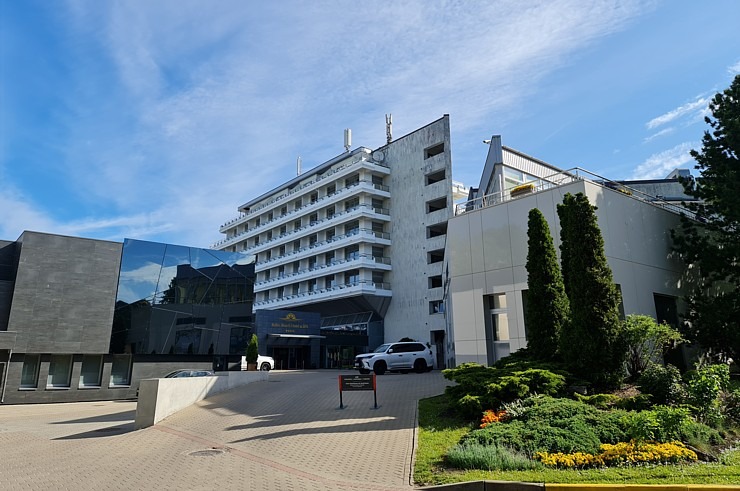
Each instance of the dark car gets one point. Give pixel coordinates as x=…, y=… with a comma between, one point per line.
x=189, y=373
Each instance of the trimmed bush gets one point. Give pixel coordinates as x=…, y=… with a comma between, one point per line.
x=704, y=388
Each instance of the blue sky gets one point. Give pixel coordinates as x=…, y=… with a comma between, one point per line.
x=155, y=120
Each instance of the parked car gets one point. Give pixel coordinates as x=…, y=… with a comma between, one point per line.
x=396, y=357
x=264, y=363
x=189, y=373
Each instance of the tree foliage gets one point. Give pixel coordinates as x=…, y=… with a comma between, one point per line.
x=646, y=341
x=547, y=304
x=252, y=350
x=592, y=342
x=711, y=244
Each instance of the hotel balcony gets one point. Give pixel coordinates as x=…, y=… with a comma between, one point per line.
x=325, y=294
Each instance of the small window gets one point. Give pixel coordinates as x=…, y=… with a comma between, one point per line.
x=436, y=230
x=352, y=276
x=283, y=230
x=60, y=371
x=434, y=150
x=30, y=373
x=312, y=239
x=312, y=262
x=92, y=369
x=267, y=274
x=296, y=245
x=281, y=271
x=283, y=211
x=329, y=281
x=436, y=307
x=352, y=180
x=330, y=212
x=297, y=205
x=296, y=225
x=295, y=289
x=435, y=281
x=435, y=177
x=313, y=218
x=120, y=373
x=269, y=235
x=329, y=258
x=331, y=190
x=378, y=180
x=436, y=205
x=330, y=233
x=281, y=250
x=351, y=203
x=314, y=197
x=270, y=216
x=280, y=292
x=435, y=256
x=352, y=227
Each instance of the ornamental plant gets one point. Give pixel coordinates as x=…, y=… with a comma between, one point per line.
x=252, y=352
x=490, y=416
x=623, y=453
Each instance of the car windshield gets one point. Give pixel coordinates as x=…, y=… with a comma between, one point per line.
x=381, y=349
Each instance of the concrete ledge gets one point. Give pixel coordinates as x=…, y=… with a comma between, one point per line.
x=523, y=486
x=162, y=397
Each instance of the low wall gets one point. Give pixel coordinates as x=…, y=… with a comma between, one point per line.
x=161, y=397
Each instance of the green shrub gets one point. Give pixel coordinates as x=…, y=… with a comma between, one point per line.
x=704, y=388
x=532, y=437
x=666, y=424
x=638, y=402
x=663, y=383
x=610, y=426
x=599, y=401
x=731, y=407
x=479, y=388
x=488, y=457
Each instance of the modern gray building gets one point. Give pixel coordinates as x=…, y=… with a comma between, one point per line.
x=84, y=319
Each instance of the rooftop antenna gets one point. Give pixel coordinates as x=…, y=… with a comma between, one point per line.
x=347, y=139
x=298, y=166
x=389, y=127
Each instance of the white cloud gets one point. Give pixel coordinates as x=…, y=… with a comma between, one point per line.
x=659, y=165
x=734, y=69
x=695, y=109
x=663, y=132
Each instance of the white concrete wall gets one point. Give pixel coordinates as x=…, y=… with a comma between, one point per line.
x=162, y=397
x=487, y=253
x=408, y=313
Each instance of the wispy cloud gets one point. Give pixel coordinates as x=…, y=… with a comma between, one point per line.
x=663, y=132
x=734, y=69
x=659, y=165
x=694, y=109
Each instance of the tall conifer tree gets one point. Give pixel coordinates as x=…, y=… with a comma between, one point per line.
x=592, y=343
x=547, y=304
x=713, y=246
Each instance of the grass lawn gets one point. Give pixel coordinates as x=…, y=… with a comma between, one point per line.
x=439, y=431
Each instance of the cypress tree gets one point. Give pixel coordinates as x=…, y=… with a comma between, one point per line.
x=547, y=304
x=592, y=343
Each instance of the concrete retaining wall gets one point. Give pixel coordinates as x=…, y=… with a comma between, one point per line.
x=161, y=397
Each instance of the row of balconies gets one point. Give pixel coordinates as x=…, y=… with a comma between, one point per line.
x=349, y=190
x=356, y=260
x=325, y=245
x=320, y=294
x=336, y=173
x=355, y=211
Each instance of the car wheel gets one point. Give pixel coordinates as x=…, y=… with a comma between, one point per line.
x=265, y=367
x=364, y=371
x=379, y=368
x=420, y=366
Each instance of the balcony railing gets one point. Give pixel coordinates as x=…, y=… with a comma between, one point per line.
x=293, y=233
x=361, y=286
x=566, y=177
x=357, y=160
x=325, y=269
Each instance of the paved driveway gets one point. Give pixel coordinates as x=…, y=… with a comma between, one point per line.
x=284, y=434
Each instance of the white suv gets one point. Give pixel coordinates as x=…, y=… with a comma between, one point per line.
x=264, y=363
x=396, y=357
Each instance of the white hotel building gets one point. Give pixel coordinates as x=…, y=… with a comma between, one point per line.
x=359, y=239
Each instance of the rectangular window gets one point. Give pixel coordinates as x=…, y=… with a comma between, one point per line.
x=312, y=286
x=436, y=307
x=435, y=256
x=283, y=211
x=297, y=205
x=666, y=309
x=435, y=281
x=296, y=245
x=92, y=369
x=314, y=197
x=311, y=262
x=269, y=216
x=377, y=203
x=60, y=371
x=295, y=289
x=313, y=218
x=351, y=204
x=329, y=257
x=352, y=180
x=280, y=292
x=331, y=190
x=283, y=230
x=435, y=177
x=352, y=276
x=296, y=225
x=352, y=227
x=436, y=205
x=330, y=233
x=30, y=374
x=378, y=278
x=352, y=252
x=437, y=230
x=296, y=266
x=312, y=239
x=434, y=150
x=330, y=212
x=120, y=372
x=377, y=180
x=269, y=235
x=281, y=250
x=281, y=271
x=329, y=281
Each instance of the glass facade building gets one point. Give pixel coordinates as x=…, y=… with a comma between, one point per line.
x=176, y=300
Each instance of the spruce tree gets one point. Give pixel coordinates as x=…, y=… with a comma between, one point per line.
x=711, y=246
x=547, y=304
x=592, y=343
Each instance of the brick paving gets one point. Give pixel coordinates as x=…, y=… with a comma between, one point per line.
x=284, y=434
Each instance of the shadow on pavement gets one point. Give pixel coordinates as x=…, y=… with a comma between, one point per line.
x=103, y=418
x=100, y=432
